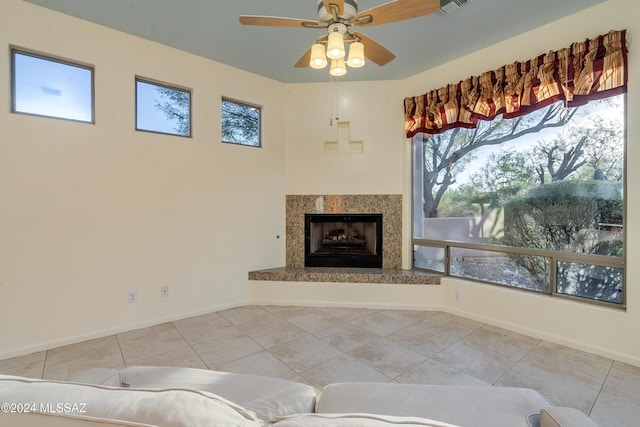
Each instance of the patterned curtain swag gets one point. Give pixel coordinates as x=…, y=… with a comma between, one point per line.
x=593, y=69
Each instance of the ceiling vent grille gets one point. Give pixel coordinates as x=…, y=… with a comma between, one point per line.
x=448, y=6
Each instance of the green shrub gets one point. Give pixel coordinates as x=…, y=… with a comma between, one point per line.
x=563, y=215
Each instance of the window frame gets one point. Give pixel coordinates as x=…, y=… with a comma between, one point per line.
x=167, y=86
x=246, y=104
x=555, y=257
x=15, y=50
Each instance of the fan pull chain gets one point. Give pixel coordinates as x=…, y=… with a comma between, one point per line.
x=331, y=101
x=334, y=102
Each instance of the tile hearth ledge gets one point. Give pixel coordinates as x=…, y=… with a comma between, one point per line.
x=346, y=275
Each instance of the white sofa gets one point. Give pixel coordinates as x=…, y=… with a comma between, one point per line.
x=185, y=397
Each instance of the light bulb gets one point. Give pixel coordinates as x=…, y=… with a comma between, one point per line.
x=356, y=55
x=335, y=46
x=317, y=60
x=338, y=68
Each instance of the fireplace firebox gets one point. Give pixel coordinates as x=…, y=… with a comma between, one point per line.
x=343, y=240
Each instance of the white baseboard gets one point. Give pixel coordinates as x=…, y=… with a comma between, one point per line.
x=546, y=336
x=47, y=345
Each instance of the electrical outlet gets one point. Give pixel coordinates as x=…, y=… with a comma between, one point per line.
x=458, y=296
x=133, y=296
x=164, y=291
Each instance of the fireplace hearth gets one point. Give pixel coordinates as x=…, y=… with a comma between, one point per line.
x=343, y=240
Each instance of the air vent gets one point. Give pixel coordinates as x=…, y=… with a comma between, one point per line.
x=448, y=6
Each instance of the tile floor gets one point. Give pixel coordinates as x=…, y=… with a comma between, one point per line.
x=323, y=345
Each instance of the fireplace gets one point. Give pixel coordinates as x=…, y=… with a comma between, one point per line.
x=343, y=240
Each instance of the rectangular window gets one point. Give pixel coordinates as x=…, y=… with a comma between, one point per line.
x=591, y=281
x=162, y=108
x=241, y=123
x=429, y=258
x=516, y=270
x=534, y=202
x=51, y=87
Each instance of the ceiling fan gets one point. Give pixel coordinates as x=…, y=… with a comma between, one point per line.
x=337, y=17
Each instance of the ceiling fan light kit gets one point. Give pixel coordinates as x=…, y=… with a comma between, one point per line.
x=336, y=17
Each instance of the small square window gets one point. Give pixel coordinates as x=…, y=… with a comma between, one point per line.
x=45, y=86
x=162, y=108
x=241, y=123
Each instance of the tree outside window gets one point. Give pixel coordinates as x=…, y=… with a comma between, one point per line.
x=535, y=191
x=241, y=123
x=162, y=108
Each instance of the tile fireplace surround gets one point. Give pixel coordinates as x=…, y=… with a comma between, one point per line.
x=389, y=205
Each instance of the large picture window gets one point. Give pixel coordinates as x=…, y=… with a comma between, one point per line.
x=51, y=87
x=531, y=199
x=547, y=187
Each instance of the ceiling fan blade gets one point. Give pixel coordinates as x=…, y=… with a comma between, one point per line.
x=375, y=51
x=339, y=4
x=274, y=21
x=304, y=59
x=399, y=10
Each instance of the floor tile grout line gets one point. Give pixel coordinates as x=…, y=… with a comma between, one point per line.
x=410, y=368
x=335, y=358
x=191, y=345
x=342, y=353
x=146, y=336
x=124, y=361
x=516, y=363
x=44, y=364
x=601, y=387
x=211, y=368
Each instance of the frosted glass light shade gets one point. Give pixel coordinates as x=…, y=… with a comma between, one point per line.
x=335, y=47
x=338, y=67
x=356, y=55
x=318, y=59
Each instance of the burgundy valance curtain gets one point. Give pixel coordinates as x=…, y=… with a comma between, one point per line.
x=592, y=69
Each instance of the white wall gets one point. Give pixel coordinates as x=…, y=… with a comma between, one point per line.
x=374, y=114
x=89, y=212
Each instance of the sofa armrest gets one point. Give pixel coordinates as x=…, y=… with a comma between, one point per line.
x=557, y=416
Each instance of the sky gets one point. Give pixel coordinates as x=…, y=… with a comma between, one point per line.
x=612, y=109
x=50, y=88
x=57, y=89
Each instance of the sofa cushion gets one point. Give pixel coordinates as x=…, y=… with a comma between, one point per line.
x=353, y=420
x=169, y=407
x=267, y=397
x=558, y=416
x=31, y=419
x=473, y=406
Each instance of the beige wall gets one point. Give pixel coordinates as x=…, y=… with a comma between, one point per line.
x=372, y=110
x=90, y=212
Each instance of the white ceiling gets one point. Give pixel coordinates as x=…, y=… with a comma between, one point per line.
x=210, y=28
